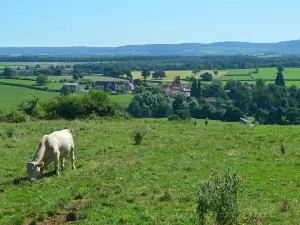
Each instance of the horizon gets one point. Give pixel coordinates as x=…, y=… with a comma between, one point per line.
x=93, y=23
x=82, y=46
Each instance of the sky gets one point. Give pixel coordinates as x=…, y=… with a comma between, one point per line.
x=107, y=23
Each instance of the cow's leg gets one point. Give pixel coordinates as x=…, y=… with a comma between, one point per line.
x=56, y=163
x=62, y=164
x=73, y=157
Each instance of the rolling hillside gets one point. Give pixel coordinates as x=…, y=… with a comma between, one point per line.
x=193, y=49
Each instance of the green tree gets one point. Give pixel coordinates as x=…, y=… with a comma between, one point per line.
x=145, y=73
x=207, y=76
x=279, y=79
x=159, y=74
x=260, y=82
x=65, y=90
x=7, y=72
x=42, y=79
x=177, y=80
x=128, y=74
x=76, y=75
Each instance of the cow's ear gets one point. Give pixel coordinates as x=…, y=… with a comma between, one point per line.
x=40, y=164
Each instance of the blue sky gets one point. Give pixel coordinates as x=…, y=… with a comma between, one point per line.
x=123, y=22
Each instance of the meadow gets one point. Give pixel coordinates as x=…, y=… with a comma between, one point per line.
x=118, y=182
x=123, y=99
x=50, y=85
x=11, y=96
x=268, y=74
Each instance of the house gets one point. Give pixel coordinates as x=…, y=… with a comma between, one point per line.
x=177, y=88
x=75, y=87
x=210, y=100
x=114, y=86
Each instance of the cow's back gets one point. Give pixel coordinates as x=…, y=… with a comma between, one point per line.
x=61, y=140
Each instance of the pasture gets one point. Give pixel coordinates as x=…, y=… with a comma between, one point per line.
x=11, y=96
x=268, y=74
x=152, y=183
x=123, y=99
x=51, y=85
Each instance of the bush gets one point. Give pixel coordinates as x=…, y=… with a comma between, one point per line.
x=138, y=136
x=95, y=103
x=30, y=107
x=11, y=132
x=174, y=117
x=14, y=117
x=218, y=197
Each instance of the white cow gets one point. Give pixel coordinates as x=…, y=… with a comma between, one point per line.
x=53, y=147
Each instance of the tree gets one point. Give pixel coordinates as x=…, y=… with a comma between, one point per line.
x=42, y=79
x=27, y=67
x=7, y=72
x=207, y=76
x=65, y=90
x=76, y=75
x=80, y=76
x=57, y=71
x=260, y=82
x=280, y=68
x=195, y=71
x=177, y=80
x=128, y=74
x=216, y=72
x=196, y=90
x=279, y=79
x=159, y=74
x=145, y=73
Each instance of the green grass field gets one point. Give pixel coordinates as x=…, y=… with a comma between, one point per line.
x=11, y=96
x=51, y=85
x=117, y=182
x=264, y=73
x=123, y=100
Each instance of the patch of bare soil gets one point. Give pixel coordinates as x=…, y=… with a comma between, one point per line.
x=67, y=214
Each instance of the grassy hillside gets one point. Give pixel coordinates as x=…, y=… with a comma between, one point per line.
x=155, y=182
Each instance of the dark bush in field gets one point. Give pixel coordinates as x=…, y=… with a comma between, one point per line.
x=14, y=117
x=79, y=106
x=218, y=198
x=138, y=136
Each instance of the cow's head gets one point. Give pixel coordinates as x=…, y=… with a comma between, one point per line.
x=34, y=170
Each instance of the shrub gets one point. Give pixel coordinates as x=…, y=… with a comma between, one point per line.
x=14, y=117
x=31, y=107
x=11, y=132
x=218, y=197
x=173, y=117
x=95, y=103
x=138, y=136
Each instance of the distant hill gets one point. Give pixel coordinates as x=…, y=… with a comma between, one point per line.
x=191, y=49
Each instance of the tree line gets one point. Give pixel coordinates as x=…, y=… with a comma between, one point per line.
x=98, y=63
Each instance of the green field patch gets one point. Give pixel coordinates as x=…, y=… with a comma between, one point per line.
x=11, y=96
x=123, y=99
x=50, y=85
x=236, y=78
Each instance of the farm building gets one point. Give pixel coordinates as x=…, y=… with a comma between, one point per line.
x=210, y=100
x=177, y=88
x=75, y=87
x=115, y=86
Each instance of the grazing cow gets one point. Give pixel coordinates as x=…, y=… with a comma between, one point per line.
x=53, y=147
